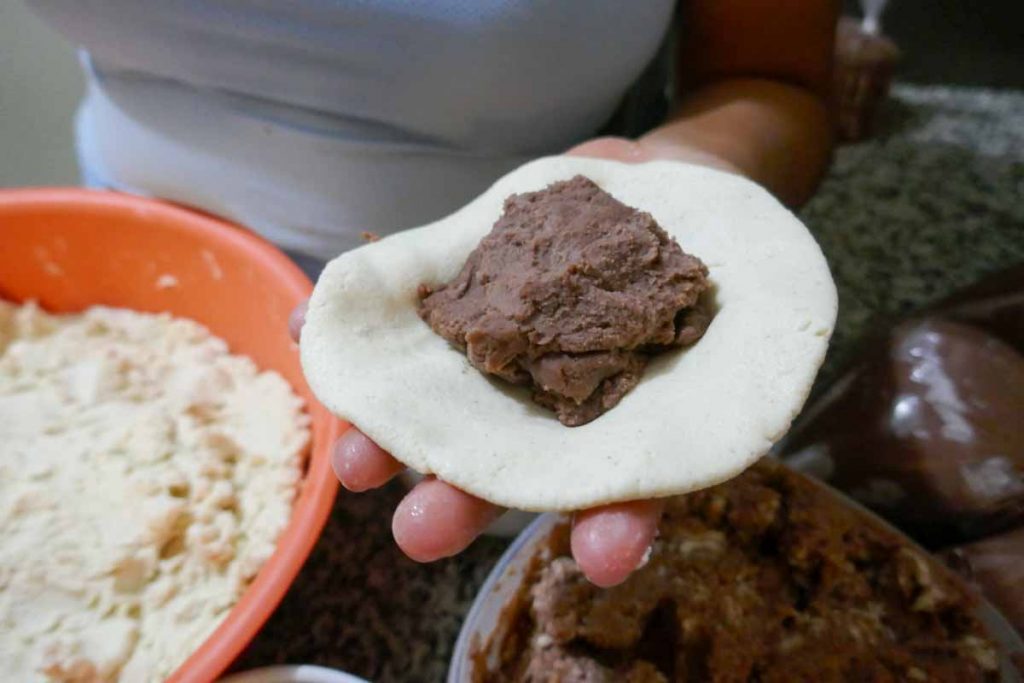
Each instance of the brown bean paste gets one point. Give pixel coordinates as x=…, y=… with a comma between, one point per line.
x=571, y=293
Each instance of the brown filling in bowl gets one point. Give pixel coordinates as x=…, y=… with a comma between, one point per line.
x=768, y=577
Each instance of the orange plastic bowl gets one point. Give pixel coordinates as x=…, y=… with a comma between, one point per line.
x=71, y=248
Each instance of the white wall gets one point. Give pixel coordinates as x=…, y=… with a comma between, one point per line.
x=40, y=85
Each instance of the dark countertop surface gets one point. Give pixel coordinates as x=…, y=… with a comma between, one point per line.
x=932, y=204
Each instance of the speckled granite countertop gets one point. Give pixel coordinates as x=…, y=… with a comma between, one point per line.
x=932, y=204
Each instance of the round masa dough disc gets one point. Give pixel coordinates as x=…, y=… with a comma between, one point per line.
x=699, y=416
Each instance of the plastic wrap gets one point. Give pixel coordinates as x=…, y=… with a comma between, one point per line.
x=926, y=427
x=864, y=63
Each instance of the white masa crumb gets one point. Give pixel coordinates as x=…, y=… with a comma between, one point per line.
x=166, y=281
x=145, y=476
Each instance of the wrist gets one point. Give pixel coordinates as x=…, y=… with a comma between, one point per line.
x=639, y=151
x=675, y=151
x=611, y=147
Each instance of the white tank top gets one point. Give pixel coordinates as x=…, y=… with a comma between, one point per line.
x=314, y=120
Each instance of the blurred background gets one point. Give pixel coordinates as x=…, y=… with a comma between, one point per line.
x=40, y=85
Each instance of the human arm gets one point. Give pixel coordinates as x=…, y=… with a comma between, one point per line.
x=752, y=79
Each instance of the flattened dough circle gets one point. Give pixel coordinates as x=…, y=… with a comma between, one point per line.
x=698, y=417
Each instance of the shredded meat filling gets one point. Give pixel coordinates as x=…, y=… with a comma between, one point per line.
x=767, y=577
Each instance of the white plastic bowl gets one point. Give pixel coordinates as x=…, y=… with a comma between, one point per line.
x=302, y=673
x=483, y=622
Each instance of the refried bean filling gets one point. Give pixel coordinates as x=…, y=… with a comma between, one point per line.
x=571, y=293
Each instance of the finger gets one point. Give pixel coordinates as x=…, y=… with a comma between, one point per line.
x=437, y=520
x=611, y=541
x=297, y=319
x=360, y=464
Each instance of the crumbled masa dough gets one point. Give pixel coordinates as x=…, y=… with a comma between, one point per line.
x=145, y=476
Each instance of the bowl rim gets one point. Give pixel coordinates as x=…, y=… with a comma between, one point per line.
x=466, y=641
x=460, y=667
x=292, y=673
x=319, y=486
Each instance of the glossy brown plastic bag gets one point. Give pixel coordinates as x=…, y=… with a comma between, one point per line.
x=927, y=426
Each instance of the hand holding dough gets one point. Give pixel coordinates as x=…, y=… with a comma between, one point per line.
x=698, y=417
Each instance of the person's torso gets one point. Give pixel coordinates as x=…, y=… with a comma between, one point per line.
x=439, y=83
